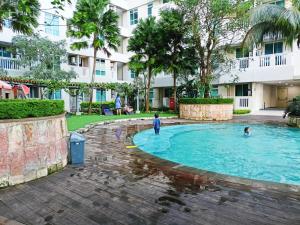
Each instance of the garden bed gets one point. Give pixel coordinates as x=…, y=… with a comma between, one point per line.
x=206, y=109
x=31, y=147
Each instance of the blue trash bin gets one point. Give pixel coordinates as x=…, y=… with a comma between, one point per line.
x=77, y=142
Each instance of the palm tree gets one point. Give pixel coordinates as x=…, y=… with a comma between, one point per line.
x=146, y=44
x=21, y=15
x=272, y=18
x=93, y=21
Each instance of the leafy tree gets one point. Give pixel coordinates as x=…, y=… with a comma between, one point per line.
x=22, y=15
x=271, y=18
x=145, y=43
x=93, y=21
x=177, y=56
x=43, y=57
x=213, y=26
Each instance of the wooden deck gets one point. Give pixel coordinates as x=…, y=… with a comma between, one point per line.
x=125, y=186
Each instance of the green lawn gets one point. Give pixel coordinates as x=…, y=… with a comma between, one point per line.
x=76, y=122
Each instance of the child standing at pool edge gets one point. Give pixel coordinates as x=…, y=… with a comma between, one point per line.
x=156, y=123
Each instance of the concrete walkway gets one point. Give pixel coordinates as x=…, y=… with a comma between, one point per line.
x=125, y=186
x=268, y=112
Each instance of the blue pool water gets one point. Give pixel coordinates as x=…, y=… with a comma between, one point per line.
x=271, y=153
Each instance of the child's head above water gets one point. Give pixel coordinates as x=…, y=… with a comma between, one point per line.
x=247, y=130
x=156, y=115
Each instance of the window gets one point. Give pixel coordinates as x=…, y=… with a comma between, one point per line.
x=279, y=3
x=273, y=48
x=55, y=95
x=34, y=92
x=243, y=90
x=166, y=1
x=134, y=16
x=72, y=60
x=168, y=92
x=150, y=9
x=214, y=92
x=100, y=72
x=241, y=53
x=100, y=95
x=5, y=53
x=132, y=74
x=51, y=24
x=7, y=23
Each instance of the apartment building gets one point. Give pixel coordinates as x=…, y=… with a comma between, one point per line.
x=108, y=69
x=268, y=76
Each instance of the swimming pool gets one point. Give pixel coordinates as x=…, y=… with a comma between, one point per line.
x=271, y=153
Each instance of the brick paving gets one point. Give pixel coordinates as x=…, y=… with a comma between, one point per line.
x=126, y=186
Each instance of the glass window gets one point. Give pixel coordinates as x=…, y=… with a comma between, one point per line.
x=100, y=72
x=150, y=9
x=51, y=24
x=132, y=74
x=241, y=53
x=55, y=95
x=100, y=95
x=273, y=48
x=166, y=1
x=34, y=92
x=279, y=3
x=214, y=92
x=7, y=23
x=5, y=53
x=243, y=90
x=134, y=16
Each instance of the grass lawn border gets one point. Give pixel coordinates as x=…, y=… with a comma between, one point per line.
x=90, y=120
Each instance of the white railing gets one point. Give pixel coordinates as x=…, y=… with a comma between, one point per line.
x=242, y=102
x=9, y=64
x=243, y=63
x=280, y=59
x=264, y=61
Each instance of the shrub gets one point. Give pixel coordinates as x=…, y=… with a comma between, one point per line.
x=293, y=108
x=241, y=111
x=206, y=101
x=18, y=109
x=96, y=106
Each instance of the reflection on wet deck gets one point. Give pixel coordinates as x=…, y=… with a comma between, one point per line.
x=126, y=186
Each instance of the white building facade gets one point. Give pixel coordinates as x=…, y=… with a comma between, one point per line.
x=268, y=76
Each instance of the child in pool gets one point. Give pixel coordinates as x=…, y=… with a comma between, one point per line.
x=156, y=123
x=247, y=131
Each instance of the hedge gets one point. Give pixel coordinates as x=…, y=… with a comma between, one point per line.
x=241, y=111
x=96, y=106
x=19, y=109
x=198, y=101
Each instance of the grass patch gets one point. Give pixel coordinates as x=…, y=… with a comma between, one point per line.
x=77, y=122
x=241, y=111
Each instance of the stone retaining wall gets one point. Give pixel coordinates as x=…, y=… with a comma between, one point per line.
x=31, y=148
x=294, y=121
x=206, y=111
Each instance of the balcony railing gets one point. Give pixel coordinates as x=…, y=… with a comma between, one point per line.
x=262, y=61
x=9, y=64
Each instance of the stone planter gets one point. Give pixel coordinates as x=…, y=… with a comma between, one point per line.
x=206, y=111
x=294, y=121
x=32, y=148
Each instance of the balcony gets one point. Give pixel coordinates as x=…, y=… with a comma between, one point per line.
x=274, y=67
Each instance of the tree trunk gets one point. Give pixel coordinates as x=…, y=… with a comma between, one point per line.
x=175, y=90
x=92, y=82
x=148, y=89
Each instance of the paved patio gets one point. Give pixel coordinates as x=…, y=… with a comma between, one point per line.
x=125, y=186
